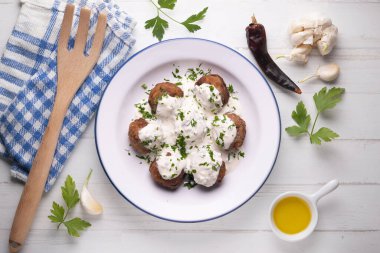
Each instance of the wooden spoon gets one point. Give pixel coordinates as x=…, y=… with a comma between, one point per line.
x=73, y=67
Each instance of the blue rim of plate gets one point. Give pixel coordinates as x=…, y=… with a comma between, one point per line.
x=233, y=209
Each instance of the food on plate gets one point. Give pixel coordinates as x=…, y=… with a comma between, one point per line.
x=134, y=138
x=165, y=96
x=188, y=129
x=314, y=30
x=212, y=92
x=327, y=73
x=206, y=166
x=257, y=43
x=168, y=168
x=240, y=131
x=228, y=131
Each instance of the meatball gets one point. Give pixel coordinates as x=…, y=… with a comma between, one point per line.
x=133, y=134
x=218, y=82
x=222, y=173
x=240, y=131
x=159, y=90
x=171, y=184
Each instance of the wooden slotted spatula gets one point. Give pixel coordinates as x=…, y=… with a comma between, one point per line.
x=73, y=67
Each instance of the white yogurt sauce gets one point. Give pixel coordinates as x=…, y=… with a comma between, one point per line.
x=191, y=117
x=167, y=105
x=223, y=131
x=209, y=97
x=151, y=135
x=170, y=163
x=205, y=165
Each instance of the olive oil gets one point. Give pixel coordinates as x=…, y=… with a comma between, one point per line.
x=292, y=215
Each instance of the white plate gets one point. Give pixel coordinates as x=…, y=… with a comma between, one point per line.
x=132, y=179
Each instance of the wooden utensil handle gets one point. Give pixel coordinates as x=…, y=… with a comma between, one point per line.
x=38, y=174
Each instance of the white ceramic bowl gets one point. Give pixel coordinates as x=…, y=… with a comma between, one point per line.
x=311, y=201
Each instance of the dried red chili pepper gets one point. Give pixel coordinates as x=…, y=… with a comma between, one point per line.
x=257, y=43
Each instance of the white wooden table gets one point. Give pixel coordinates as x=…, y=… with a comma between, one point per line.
x=349, y=217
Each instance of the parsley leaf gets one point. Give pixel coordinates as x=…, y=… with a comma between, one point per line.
x=159, y=25
x=58, y=213
x=302, y=119
x=324, y=100
x=75, y=225
x=167, y=4
x=188, y=23
x=69, y=192
x=323, y=134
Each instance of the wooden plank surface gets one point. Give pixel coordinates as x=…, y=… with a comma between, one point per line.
x=348, y=217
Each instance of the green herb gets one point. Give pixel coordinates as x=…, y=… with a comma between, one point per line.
x=59, y=214
x=231, y=88
x=189, y=182
x=220, y=139
x=145, y=158
x=193, y=122
x=144, y=113
x=144, y=86
x=159, y=25
x=193, y=73
x=181, y=144
x=324, y=100
x=181, y=115
x=211, y=153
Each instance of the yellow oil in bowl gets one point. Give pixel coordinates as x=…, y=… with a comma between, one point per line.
x=292, y=215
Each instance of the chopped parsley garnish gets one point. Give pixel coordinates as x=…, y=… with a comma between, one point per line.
x=193, y=73
x=189, y=181
x=193, y=122
x=145, y=158
x=181, y=115
x=220, y=139
x=181, y=144
x=211, y=153
x=144, y=113
x=231, y=88
x=144, y=86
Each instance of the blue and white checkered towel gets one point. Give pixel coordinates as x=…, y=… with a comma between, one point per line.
x=28, y=80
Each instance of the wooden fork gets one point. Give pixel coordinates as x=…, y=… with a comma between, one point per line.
x=73, y=67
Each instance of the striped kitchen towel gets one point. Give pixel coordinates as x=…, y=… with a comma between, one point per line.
x=28, y=79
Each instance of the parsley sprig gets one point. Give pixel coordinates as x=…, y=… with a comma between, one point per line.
x=324, y=100
x=59, y=214
x=159, y=25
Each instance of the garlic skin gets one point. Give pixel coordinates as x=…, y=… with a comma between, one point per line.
x=328, y=40
x=327, y=73
x=91, y=206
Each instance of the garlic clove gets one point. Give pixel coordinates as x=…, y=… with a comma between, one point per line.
x=87, y=200
x=328, y=72
x=328, y=40
x=298, y=38
x=299, y=54
x=308, y=41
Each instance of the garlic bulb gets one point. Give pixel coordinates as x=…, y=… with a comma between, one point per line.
x=87, y=200
x=315, y=31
